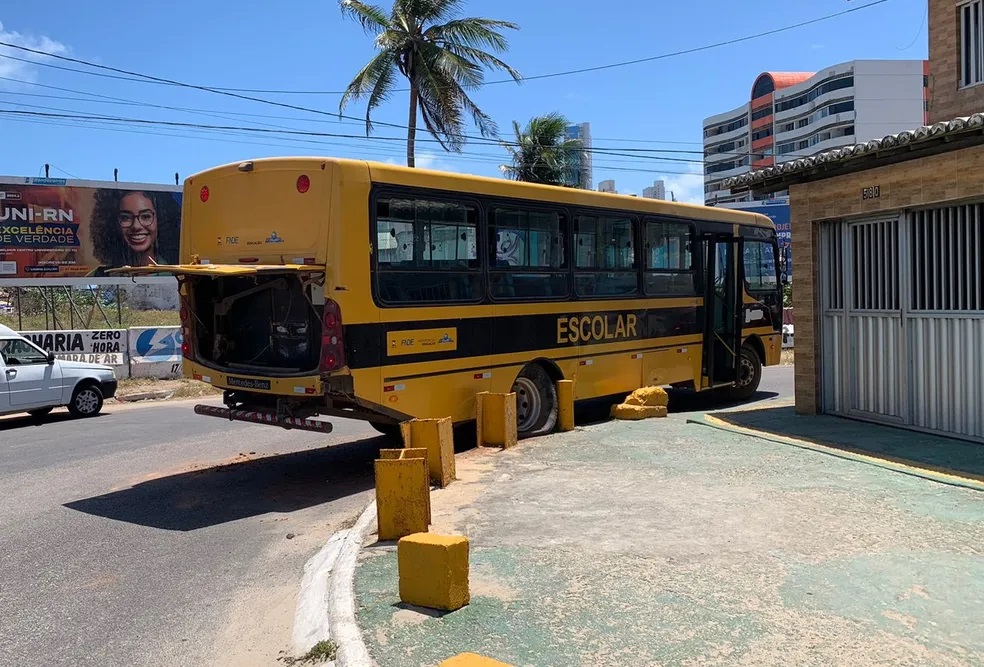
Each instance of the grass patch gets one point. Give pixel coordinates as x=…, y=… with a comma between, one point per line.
x=323, y=651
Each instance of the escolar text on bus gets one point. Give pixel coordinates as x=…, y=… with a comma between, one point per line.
x=585, y=328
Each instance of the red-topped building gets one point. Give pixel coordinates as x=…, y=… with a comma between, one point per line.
x=797, y=114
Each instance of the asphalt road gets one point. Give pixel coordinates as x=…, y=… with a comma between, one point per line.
x=154, y=536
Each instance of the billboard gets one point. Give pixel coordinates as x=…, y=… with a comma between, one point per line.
x=70, y=229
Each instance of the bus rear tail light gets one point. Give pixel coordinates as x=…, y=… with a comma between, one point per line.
x=332, y=341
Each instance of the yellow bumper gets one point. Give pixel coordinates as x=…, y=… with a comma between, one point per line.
x=309, y=385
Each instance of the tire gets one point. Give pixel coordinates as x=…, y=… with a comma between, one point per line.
x=536, y=402
x=391, y=431
x=749, y=374
x=40, y=412
x=87, y=401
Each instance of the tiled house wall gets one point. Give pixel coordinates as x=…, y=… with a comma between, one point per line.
x=946, y=99
x=931, y=180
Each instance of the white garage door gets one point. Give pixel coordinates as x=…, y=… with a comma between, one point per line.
x=902, y=319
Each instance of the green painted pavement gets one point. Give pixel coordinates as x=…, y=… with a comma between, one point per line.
x=911, y=448
x=667, y=543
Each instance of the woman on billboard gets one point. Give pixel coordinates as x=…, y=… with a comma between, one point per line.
x=134, y=228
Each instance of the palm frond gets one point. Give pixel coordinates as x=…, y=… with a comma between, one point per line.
x=474, y=32
x=372, y=18
x=367, y=81
x=483, y=58
x=383, y=88
x=542, y=153
x=434, y=11
x=462, y=70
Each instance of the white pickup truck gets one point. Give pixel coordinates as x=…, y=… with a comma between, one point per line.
x=34, y=381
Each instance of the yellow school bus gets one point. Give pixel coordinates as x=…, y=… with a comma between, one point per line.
x=319, y=287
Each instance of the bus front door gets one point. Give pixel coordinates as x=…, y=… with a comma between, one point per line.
x=722, y=310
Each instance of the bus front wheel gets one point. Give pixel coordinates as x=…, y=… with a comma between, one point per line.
x=536, y=402
x=749, y=374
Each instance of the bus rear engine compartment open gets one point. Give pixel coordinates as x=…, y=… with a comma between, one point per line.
x=257, y=324
x=272, y=326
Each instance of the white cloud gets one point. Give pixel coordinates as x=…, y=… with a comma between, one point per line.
x=16, y=69
x=688, y=188
x=434, y=161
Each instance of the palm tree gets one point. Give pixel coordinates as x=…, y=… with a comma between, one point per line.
x=542, y=153
x=440, y=56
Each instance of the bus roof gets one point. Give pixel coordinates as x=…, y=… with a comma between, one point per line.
x=426, y=178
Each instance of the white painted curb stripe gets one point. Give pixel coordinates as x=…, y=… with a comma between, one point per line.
x=311, y=616
x=326, y=603
x=352, y=651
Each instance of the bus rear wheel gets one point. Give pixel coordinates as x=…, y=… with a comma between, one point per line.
x=536, y=402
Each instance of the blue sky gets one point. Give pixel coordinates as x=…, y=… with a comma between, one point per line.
x=307, y=45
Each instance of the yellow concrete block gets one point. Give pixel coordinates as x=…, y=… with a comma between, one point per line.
x=565, y=405
x=410, y=453
x=402, y=497
x=437, y=437
x=496, y=420
x=648, y=396
x=472, y=660
x=433, y=571
x=626, y=411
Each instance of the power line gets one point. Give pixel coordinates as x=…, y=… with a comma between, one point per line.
x=231, y=93
x=145, y=78
x=228, y=137
x=633, y=153
x=60, y=113
x=142, y=78
x=106, y=99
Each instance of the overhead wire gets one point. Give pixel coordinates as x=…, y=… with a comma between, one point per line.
x=121, y=73
x=107, y=99
x=233, y=93
x=294, y=143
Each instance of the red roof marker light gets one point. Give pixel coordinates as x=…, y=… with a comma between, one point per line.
x=303, y=183
x=203, y=194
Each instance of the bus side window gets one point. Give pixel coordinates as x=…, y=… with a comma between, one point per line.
x=669, y=259
x=427, y=251
x=605, y=259
x=529, y=254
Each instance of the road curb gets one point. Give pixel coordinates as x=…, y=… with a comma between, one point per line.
x=326, y=604
x=342, y=626
x=145, y=396
x=931, y=475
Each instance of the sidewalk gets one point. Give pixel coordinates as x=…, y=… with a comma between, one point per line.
x=668, y=543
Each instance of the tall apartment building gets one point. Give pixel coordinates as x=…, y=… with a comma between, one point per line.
x=656, y=191
x=582, y=131
x=798, y=114
x=607, y=186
